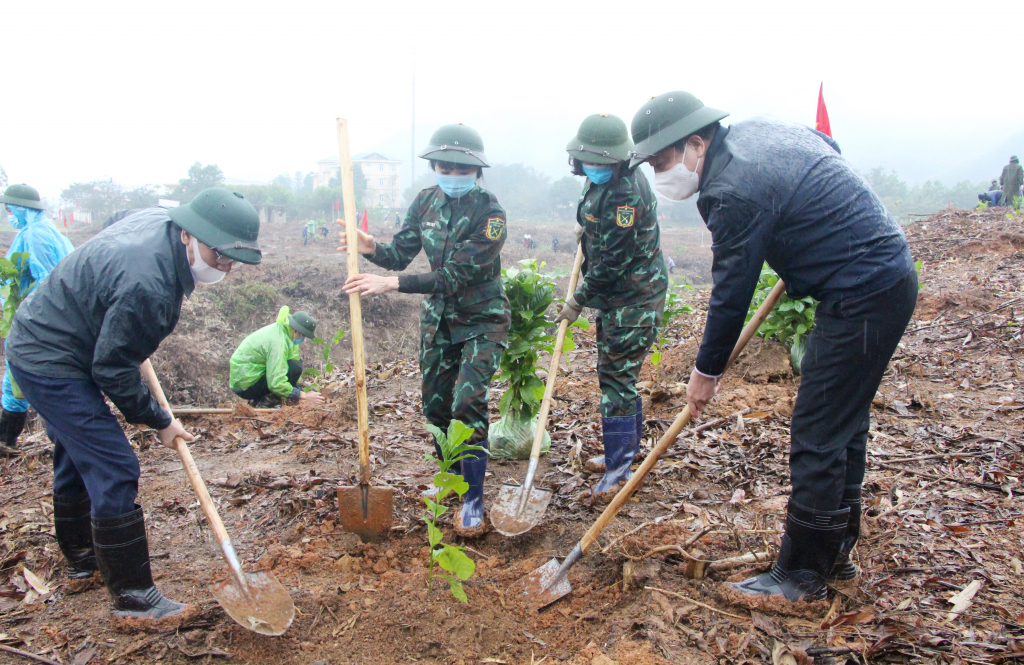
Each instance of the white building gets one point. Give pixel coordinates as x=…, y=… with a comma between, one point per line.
x=383, y=178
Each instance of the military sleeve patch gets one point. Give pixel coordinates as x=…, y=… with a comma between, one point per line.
x=495, y=226
x=590, y=218
x=624, y=216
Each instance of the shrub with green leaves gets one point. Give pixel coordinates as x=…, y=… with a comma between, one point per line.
x=673, y=308
x=791, y=320
x=452, y=559
x=323, y=347
x=530, y=292
x=11, y=272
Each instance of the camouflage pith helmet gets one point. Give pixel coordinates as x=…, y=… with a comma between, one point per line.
x=458, y=144
x=22, y=195
x=303, y=323
x=601, y=139
x=667, y=118
x=223, y=221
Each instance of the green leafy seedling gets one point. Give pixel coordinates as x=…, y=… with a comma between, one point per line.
x=11, y=273
x=530, y=292
x=673, y=308
x=790, y=322
x=452, y=559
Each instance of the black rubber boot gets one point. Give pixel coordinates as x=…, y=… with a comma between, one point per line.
x=12, y=424
x=72, y=522
x=122, y=553
x=809, y=548
x=471, y=521
x=844, y=570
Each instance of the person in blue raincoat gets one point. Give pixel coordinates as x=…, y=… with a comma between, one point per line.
x=45, y=246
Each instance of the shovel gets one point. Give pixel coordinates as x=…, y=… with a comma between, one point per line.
x=257, y=601
x=550, y=582
x=365, y=511
x=519, y=508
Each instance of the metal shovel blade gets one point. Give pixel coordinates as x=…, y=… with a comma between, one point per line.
x=264, y=606
x=366, y=511
x=511, y=516
x=543, y=586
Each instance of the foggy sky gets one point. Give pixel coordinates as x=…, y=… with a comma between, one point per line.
x=139, y=91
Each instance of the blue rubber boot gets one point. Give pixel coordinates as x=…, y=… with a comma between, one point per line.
x=621, y=445
x=472, y=521
x=596, y=464
x=639, y=419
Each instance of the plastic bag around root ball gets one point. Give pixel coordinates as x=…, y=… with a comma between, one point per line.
x=513, y=437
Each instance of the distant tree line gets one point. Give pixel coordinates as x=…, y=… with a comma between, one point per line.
x=901, y=199
x=302, y=201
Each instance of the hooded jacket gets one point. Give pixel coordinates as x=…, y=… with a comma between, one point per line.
x=37, y=236
x=104, y=309
x=266, y=351
x=1011, y=179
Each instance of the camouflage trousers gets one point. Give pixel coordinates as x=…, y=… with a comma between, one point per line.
x=624, y=337
x=457, y=381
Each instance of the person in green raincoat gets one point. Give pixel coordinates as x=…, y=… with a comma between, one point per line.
x=266, y=366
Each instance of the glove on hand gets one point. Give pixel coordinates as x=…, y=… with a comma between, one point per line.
x=579, y=234
x=570, y=311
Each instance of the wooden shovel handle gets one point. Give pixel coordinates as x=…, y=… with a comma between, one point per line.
x=191, y=471
x=348, y=194
x=556, y=355
x=669, y=437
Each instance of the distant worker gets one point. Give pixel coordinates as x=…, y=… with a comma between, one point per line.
x=624, y=278
x=671, y=266
x=554, y=244
x=79, y=338
x=305, y=235
x=45, y=246
x=465, y=316
x=323, y=231
x=1012, y=180
x=993, y=196
x=267, y=365
x=311, y=229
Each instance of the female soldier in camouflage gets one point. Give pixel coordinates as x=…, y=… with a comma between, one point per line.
x=465, y=317
x=625, y=279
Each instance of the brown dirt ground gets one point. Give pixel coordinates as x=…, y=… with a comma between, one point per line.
x=941, y=496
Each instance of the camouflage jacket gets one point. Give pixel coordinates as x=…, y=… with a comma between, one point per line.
x=462, y=239
x=624, y=268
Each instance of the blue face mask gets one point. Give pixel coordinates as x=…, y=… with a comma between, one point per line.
x=456, y=186
x=598, y=174
x=298, y=341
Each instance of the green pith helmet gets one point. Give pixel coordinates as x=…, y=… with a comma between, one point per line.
x=1012, y=159
x=303, y=323
x=665, y=119
x=22, y=195
x=601, y=139
x=223, y=221
x=457, y=144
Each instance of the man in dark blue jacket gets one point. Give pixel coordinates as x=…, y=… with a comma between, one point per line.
x=82, y=334
x=781, y=193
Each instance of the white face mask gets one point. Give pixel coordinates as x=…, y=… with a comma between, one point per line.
x=678, y=183
x=202, y=273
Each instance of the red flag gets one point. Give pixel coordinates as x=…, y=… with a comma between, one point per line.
x=821, y=121
x=366, y=222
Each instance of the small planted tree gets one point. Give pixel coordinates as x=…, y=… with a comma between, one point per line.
x=530, y=292
x=323, y=347
x=790, y=322
x=11, y=272
x=452, y=559
x=673, y=308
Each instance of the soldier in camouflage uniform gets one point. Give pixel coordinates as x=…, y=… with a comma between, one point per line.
x=465, y=318
x=624, y=278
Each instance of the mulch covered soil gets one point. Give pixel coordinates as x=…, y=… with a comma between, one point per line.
x=940, y=556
